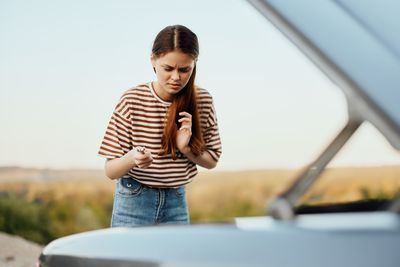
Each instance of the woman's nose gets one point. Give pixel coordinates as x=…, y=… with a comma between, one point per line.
x=175, y=76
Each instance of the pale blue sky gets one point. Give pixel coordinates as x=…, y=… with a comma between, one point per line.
x=64, y=65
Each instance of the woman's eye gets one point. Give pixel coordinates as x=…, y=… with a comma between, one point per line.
x=184, y=70
x=167, y=69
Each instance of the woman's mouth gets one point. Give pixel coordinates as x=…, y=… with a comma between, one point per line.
x=175, y=85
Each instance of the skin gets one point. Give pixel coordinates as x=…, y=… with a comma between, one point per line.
x=173, y=72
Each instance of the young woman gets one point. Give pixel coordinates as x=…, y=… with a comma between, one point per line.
x=158, y=133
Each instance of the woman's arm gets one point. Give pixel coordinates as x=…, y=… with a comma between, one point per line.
x=118, y=167
x=204, y=160
x=182, y=142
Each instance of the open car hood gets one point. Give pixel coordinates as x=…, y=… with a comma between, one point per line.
x=356, y=43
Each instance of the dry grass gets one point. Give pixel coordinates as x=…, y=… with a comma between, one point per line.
x=351, y=184
x=219, y=196
x=223, y=195
x=230, y=194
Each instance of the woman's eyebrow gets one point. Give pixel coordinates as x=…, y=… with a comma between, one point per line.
x=168, y=66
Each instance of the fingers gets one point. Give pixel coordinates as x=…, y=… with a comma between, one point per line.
x=186, y=127
x=186, y=120
x=184, y=113
x=186, y=117
x=140, y=149
x=143, y=158
x=144, y=163
x=141, y=153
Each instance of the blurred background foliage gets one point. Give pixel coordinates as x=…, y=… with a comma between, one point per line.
x=52, y=204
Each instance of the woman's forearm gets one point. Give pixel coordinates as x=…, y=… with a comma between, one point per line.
x=118, y=167
x=115, y=168
x=204, y=160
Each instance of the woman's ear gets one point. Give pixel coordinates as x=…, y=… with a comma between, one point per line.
x=153, y=62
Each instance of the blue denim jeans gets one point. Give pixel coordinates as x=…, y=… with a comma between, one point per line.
x=136, y=204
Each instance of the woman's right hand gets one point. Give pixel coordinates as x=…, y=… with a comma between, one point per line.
x=141, y=157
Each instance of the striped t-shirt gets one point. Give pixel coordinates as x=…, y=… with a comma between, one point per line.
x=138, y=120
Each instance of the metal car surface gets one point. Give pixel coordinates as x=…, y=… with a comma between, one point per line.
x=357, y=45
x=354, y=239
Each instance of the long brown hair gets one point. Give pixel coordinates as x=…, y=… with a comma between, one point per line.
x=171, y=38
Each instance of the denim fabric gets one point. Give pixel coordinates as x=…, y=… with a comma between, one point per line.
x=137, y=205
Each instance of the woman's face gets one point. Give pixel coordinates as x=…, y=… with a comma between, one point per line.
x=173, y=72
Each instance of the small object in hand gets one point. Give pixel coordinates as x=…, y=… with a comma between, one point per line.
x=140, y=149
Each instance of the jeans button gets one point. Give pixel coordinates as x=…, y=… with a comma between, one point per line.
x=129, y=185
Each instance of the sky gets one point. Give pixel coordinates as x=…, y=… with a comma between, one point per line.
x=64, y=65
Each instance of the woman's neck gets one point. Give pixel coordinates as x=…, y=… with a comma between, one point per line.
x=161, y=93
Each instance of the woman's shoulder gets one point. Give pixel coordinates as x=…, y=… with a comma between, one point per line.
x=138, y=90
x=203, y=94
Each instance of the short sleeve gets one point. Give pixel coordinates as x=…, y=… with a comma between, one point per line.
x=117, y=138
x=211, y=135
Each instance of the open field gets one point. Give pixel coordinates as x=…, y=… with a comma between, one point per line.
x=44, y=204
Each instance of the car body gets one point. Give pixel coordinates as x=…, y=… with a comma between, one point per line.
x=352, y=239
x=357, y=45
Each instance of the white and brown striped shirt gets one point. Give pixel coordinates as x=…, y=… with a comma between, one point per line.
x=138, y=120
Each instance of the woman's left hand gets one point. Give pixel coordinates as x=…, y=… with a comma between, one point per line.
x=184, y=133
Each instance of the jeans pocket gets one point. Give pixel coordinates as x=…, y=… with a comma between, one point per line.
x=180, y=191
x=129, y=187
